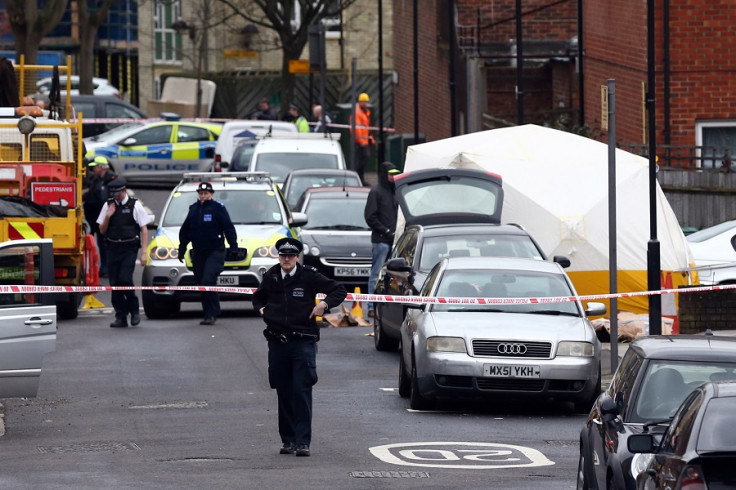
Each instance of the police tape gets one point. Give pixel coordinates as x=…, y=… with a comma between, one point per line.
x=374, y=298
x=121, y=120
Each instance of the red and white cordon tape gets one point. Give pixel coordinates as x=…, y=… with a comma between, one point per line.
x=119, y=120
x=375, y=298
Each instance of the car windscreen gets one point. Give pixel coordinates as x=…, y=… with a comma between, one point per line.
x=244, y=206
x=339, y=213
x=437, y=248
x=301, y=183
x=240, y=161
x=666, y=384
x=708, y=233
x=714, y=437
x=280, y=164
x=496, y=283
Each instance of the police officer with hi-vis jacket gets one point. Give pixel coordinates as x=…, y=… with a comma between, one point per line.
x=286, y=300
x=206, y=226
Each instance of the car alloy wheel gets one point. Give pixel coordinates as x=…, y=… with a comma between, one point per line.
x=416, y=400
x=381, y=341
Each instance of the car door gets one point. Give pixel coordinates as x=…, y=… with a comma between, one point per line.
x=144, y=155
x=192, y=145
x=27, y=320
x=398, y=283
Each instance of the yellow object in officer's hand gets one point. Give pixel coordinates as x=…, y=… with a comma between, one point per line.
x=316, y=302
x=357, y=309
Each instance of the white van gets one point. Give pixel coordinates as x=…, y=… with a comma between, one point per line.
x=234, y=131
x=279, y=154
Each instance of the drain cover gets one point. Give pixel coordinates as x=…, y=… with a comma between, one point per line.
x=389, y=474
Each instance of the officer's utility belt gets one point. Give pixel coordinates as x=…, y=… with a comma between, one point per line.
x=284, y=337
x=124, y=242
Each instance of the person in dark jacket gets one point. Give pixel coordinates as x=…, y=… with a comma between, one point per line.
x=95, y=196
x=380, y=215
x=123, y=222
x=286, y=300
x=206, y=226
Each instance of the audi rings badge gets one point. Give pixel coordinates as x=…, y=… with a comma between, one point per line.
x=511, y=349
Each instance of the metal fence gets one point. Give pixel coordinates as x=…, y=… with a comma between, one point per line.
x=674, y=157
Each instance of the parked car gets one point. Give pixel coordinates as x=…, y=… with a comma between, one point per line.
x=495, y=351
x=337, y=240
x=160, y=151
x=103, y=107
x=27, y=320
x=448, y=213
x=246, y=131
x=714, y=253
x=261, y=217
x=100, y=86
x=698, y=450
x=279, y=154
x=307, y=178
x=655, y=376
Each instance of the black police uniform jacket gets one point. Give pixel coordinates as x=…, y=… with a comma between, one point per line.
x=288, y=305
x=381, y=210
x=205, y=226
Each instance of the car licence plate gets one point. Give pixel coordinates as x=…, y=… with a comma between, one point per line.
x=510, y=371
x=227, y=280
x=352, y=271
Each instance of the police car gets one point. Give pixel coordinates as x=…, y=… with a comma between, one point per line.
x=159, y=151
x=261, y=217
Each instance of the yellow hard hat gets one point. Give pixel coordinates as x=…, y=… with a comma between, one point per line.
x=364, y=97
x=98, y=160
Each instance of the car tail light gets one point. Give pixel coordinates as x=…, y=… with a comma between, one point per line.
x=692, y=479
x=218, y=159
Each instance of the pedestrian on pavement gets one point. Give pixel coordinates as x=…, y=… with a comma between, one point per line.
x=123, y=222
x=322, y=118
x=206, y=226
x=264, y=112
x=364, y=140
x=380, y=214
x=302, y=125
x=95, y=196
x=286, y=301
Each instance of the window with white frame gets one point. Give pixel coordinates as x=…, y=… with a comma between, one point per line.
x=167, y=42
x=332, y=22
x=716, y=139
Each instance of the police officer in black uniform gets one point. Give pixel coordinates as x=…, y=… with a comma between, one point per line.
x=94, y=199
x=206, y=226
x=123, y=222
x=286, y=300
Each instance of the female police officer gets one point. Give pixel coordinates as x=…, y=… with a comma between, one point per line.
x=286, y=299
x=205, y=226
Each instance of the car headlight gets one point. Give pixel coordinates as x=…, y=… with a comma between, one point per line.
x=313, y=250
x=163, y=253
x=575, y=349
x=263, y=252
x=640, y=462
x=446, y=344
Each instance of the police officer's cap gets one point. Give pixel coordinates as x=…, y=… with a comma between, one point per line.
x=289, y=246
x=98, y=160
x=116, y=186
x=205, y=186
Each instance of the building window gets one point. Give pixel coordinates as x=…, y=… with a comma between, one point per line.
x=332, y=21
x=167, y=42
x=716, y=139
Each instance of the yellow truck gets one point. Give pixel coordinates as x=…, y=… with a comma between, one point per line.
x=41, y=173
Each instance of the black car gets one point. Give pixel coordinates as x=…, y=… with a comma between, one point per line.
x=336, y=238
x=302, y=179
x=698, y=450
x=655, y=376
x=448, y=213
x=103, y=107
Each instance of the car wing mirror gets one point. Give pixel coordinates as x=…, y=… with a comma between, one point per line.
x=641, y=443
x=595, y=309
x=298, y=219
x=562, y=260
x=399, y=264
x=608, y=408
x=129, y=142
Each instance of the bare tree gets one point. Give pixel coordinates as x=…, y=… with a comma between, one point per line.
x=290, y=23
x=30, y=24
x=90, y=20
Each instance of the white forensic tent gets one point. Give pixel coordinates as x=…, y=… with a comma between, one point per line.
x=556, y=186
